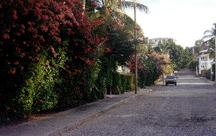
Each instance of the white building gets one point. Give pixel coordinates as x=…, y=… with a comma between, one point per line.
x=205, y=62
x=123, y=70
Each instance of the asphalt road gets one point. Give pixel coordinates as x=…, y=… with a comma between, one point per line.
x=188, y=109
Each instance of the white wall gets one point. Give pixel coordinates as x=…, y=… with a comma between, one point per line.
x=204, y=62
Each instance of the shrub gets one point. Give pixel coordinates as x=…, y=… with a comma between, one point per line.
x=150, y=67
x=92, y=87
x=125, y=83
x=28, y=29
x=38, y=93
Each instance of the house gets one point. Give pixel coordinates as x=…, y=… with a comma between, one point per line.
x=123, y=70
x=204, y=62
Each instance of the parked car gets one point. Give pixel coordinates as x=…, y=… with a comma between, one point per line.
x=170, y=80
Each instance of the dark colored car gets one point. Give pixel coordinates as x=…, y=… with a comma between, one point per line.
x=171, y=80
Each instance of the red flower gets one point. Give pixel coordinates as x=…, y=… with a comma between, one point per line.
x=45, y=17
x=94, y=4
x=107, y=50
x=44, y=28
x=61, y=16
x=22, y=26
x=21, y=30
x=12, y=71
x=22, y=55
x=87, y=50
x=89, y=62
x=14, y=15
x=16, y=63
x=18, y=34
x=6, y=36
x=58, y=39
x=70, y=32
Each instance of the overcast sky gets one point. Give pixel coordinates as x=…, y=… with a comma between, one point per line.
x=183, y=20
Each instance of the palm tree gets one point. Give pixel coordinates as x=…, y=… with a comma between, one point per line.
x=113, y=10
x=210, y=34
x=134, y=5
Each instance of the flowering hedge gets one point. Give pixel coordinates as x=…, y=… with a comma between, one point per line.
x=150, y=67
x=31, y=31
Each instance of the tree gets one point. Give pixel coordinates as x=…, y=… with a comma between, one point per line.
x=150, y=67
x=180, y=57
x=212, y=34
x=134, y=5
x=210, y=38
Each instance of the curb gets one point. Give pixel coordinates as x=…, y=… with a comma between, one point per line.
x=71, y=127
x=66, y=121
x=207, y=80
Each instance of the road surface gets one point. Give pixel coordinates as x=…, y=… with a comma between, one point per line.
x=188, y=109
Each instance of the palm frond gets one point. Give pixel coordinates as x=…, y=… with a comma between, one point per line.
x=207, y=37
x=208, y=31
x=130, y=4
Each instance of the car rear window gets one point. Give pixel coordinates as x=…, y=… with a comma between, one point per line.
x=170, y=77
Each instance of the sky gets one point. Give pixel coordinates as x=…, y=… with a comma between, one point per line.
x=183, y=20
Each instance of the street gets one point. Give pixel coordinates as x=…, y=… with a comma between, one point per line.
x=188, y=109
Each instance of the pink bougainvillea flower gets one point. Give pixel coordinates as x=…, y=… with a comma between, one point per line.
x=21, y=30
x=6, y=36
x=44, y=28
x=87, y=50
x=94, y=4
x=58, y=39
x=12, y=71
x=89, y=62
x=14, y=15
x=16, y=63
x=107, y=50
x=45, y=17
x=18, y=34
x=61, y=16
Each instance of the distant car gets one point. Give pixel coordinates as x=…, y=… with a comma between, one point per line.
x=171, y=80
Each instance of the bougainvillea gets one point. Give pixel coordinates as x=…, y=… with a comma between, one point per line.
x=131, y=63
x=30, y=27
x=150, y=67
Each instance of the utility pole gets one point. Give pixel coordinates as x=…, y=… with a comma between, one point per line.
x=215, y=56
x=135, y=43
x=214, y=33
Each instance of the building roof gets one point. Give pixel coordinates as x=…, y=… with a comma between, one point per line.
x=213, y=62
x=204, y=51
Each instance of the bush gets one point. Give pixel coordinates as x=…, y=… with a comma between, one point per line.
x=38, y=93
x=126, y=83
x=31, y=36
x=150, y=67
x=91, y=86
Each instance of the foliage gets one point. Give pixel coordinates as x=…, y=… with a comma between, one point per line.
x=112, y=81
x=30, y=29
x=121, y=47
x=54, y=55
x=91, y=84
x=150, y=67
x=38, y=93
x=180, y=57
x=118, y=47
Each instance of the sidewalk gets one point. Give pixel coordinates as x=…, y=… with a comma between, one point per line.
x=58, y=123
